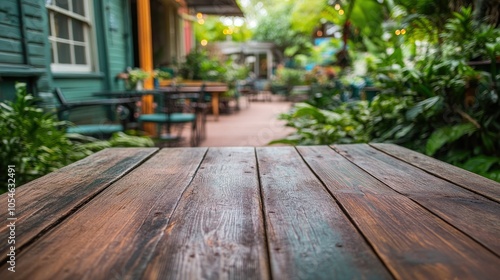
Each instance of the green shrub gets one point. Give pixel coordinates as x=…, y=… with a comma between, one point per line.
x=32, y=140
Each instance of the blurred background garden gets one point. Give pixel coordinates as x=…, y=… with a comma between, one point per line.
x=422, y=74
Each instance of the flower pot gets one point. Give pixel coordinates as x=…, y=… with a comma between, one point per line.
x=139, y=85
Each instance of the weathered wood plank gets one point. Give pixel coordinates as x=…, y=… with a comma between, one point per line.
x=469, y=212
x=412, y=242
x=309, y=236
x=217, y=231
x=458, y=176
x=114, y=235
x=44, y=202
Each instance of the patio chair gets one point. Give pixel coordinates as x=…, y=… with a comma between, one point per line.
x=201, y=104
x=100, y=118
x=172, y=110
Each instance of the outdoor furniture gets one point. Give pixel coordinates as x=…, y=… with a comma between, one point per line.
x=169, y=113
x=342, y=212
x=214, y=89
x=200, y=102
x=108, y=125
x=246, y=89
x=263, y=88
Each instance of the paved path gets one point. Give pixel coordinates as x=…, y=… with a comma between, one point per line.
x=255, y=125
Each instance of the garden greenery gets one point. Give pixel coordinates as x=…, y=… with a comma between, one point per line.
x=434, y=103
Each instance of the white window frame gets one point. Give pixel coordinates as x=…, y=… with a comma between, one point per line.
x=87, y=33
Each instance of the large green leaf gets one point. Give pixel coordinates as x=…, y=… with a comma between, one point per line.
x=422, y=106
x=447, y=134
x=480, y=164
x=306, y=110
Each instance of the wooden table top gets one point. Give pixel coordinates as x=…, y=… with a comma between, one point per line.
x=343, y=212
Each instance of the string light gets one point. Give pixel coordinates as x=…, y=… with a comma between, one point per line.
x=199, y=15
x=337, y=7
x=398, y=32
x=204, y=42
x=403, y=31
x=341, y=12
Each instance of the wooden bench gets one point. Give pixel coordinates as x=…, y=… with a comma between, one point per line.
x=342, y=212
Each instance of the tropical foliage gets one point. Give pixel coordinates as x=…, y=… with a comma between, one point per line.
x=431, y=99
x=278, y=29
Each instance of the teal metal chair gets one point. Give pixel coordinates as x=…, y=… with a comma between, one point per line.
x=113, y=114
x=172, y=110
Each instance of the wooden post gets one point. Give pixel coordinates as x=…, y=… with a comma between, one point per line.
x=145, y=56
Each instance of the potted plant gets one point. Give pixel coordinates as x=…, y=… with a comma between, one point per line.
x=136, y=77
x=159, y=75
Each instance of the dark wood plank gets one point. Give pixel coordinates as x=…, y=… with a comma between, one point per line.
x=217, y=231
x=309, y=236
x=114, y=235
x=42, y=203
x=412, y=242
x=458, y=176
x=471, y=213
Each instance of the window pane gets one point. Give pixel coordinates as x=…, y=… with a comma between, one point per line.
x=61, y=22
x=62, y=4
x=80, y=55
x=63, y=53
x=78, y=7
x=77, y=30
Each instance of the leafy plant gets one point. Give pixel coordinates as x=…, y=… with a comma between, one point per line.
x=31, y=139
x=447, y=134
x=137, y=74
x=347, y=124
x=200, y=66
x=161, y=75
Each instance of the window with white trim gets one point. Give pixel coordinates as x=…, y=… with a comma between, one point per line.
x=69, y=35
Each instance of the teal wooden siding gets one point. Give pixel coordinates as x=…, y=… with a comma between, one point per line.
x=118, y=31
x=25, y=53
x=23, y=46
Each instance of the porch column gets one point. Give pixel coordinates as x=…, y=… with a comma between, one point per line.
x=145, y=56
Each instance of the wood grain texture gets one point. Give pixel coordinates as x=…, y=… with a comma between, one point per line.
x=114, y=235
x=217, y=231
x=471, y=213
x=412, y=242
x=309, y=236
x=42, y=203
x=459, y=176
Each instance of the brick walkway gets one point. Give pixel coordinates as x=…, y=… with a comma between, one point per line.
x=255, y=125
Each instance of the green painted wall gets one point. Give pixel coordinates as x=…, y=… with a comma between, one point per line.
x=118, y=34
x=23, y=46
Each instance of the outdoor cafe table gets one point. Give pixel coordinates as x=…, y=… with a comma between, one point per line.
x=342, y=212
x=214, y=90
